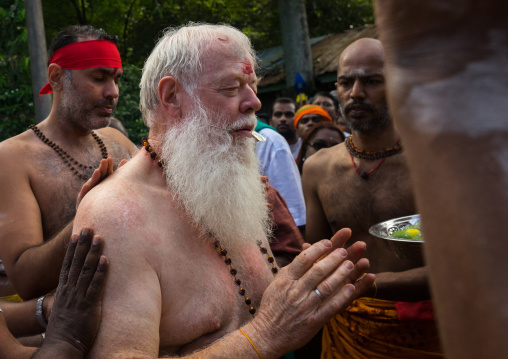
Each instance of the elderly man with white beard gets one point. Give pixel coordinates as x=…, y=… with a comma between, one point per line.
x=185, y=222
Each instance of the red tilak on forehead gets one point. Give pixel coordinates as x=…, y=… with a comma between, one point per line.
x=247, y=68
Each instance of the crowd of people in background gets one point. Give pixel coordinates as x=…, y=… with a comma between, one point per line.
x=224, y=233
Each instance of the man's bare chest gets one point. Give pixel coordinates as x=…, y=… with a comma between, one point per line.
x=357, y=203
x=205, y=300
x=56, y=181
x=55, y=188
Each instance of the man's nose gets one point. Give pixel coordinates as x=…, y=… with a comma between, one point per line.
x=357, y=91
x=250, y=103
x=111, y=90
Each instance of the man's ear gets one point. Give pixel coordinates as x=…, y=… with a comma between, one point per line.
x=168, y=91
x=56, y=77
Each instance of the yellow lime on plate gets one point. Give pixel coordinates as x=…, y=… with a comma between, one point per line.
x=413, y=232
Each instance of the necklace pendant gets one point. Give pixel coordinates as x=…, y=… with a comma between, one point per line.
x=364, y=175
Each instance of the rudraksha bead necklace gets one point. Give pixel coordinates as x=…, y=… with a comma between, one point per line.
x=366, y=155
x=222, y=251
x=67, y=158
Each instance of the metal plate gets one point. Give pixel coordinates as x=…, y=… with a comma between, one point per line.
x=411, y=249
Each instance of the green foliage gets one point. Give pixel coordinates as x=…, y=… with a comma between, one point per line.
x=139, y=23
x=127, y=110
x=16, y=98
x=326, y=17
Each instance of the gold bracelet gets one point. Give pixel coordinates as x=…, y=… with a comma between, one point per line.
x=375, y=289
x=250, y=341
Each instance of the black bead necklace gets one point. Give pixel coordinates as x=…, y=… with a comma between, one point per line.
x=67, y=158
x=222, y=251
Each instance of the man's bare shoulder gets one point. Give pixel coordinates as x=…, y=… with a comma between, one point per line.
x=326, y=162
x=111, y=200
x=128, y=205
x=18, y=153
x=19, y=144
x=115, y=136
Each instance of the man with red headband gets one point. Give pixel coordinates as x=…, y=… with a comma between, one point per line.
x=309, y=115
x=357, y=185
x=46, y=166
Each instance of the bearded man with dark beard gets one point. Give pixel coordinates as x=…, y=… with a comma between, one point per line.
x=185, y=222
x=357, y=185
x=46, y=166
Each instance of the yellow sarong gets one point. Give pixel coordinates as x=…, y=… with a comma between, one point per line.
x=371, y=329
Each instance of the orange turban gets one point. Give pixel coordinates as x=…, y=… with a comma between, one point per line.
x=311, y=109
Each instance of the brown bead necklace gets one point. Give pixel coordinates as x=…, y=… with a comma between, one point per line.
x=67, y=158
x=366, y=155
x=354, y=151
x=222, y=251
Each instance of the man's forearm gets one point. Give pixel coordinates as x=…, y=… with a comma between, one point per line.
x=37, y=269
x=58, y=349
x=407, y=286
x=234, y=345
x=20, y=317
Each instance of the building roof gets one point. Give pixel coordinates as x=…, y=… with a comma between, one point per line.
x=326, y=51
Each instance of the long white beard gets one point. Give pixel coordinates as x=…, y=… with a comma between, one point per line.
x=216, y=178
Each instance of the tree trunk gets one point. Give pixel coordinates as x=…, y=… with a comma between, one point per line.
x=296, y=44
x=38, y=56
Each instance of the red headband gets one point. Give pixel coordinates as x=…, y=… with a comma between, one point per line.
x=84, y=55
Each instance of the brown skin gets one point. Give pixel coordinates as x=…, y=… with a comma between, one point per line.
x=324, y=135
x=328, y=105
x=460, y=184
x=20, y=317
x=6, y=287
x=39, y=191
x=386, y=194
x=307, y=122
x=285, y=125
x=77, y=310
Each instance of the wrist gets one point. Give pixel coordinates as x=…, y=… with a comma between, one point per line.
x=39, y=312
x=52, y=348
x=263, y=339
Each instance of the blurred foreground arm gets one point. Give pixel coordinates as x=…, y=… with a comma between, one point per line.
x=77, y=309
x=448, y=90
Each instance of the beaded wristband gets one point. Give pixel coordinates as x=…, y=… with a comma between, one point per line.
x=251, y=343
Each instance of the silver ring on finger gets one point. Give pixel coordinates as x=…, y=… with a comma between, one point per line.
x=319, y=294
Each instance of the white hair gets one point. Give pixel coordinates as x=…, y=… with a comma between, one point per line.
x=216, y=178
x=179, y=53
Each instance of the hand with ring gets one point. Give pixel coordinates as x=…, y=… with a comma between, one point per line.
x=322, y=281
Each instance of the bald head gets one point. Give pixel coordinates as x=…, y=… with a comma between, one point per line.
x=361, y=52
x=361, y=86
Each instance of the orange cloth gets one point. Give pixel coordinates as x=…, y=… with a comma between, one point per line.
x=370, y=329
x=311, y=110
